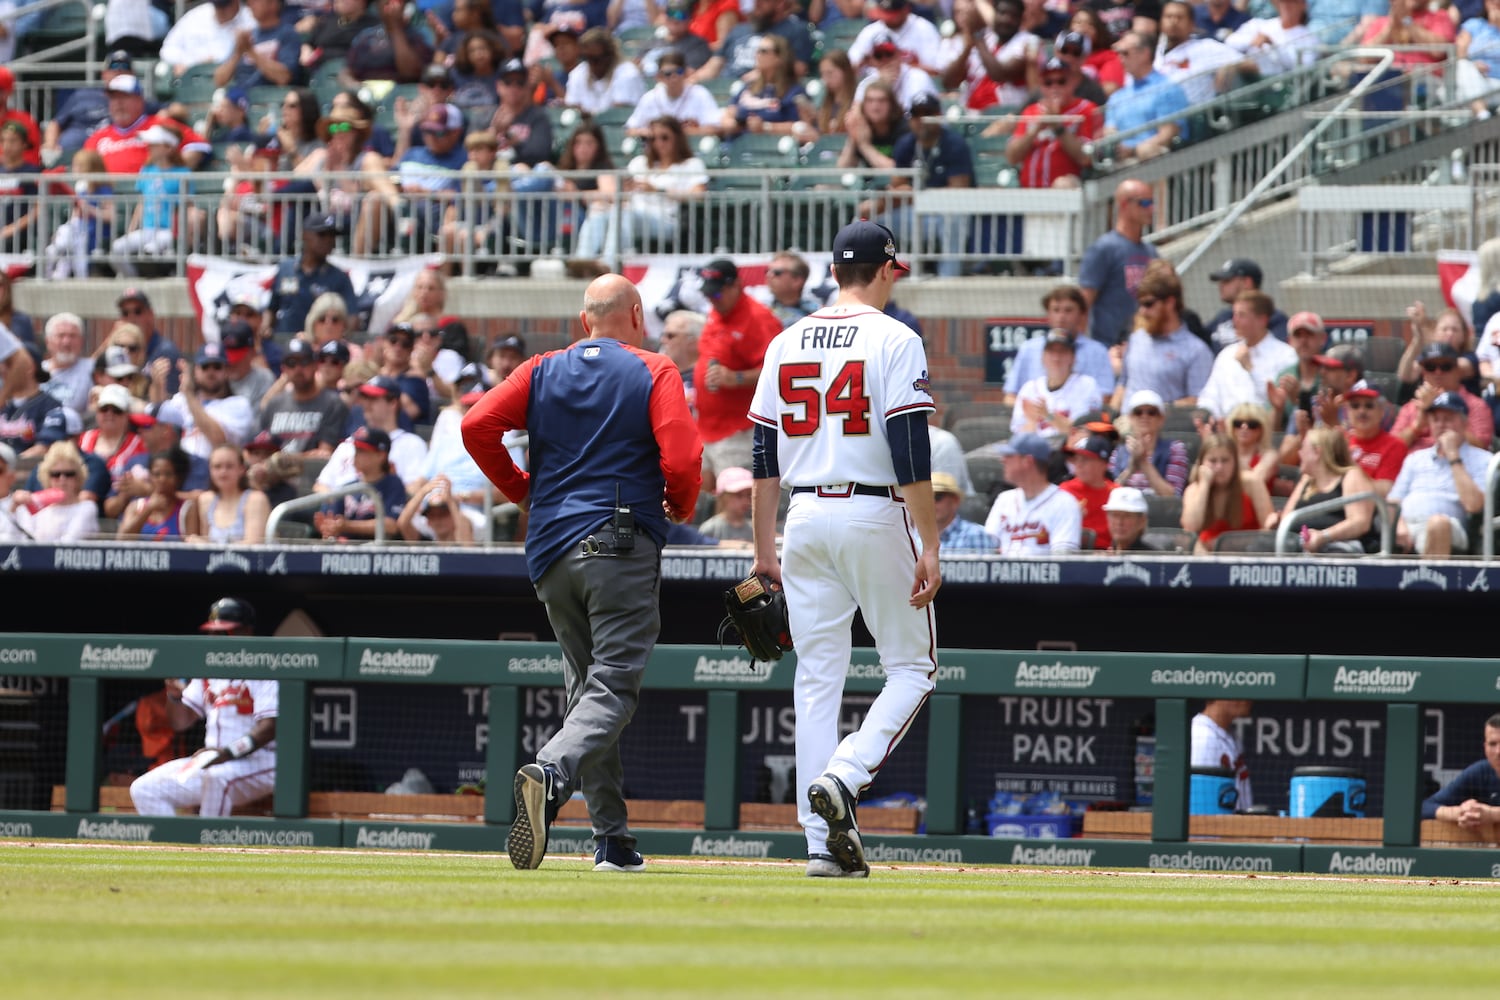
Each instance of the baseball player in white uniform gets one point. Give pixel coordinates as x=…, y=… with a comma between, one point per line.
x=1215, y=745
x=840, y=415
x=1036, y=518
x=238, y=761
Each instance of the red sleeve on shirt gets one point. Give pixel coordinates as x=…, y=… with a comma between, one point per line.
x=1390, y=460
x=676, y=434
x=502, y=409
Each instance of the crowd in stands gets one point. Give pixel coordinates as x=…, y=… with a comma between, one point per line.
x=411, y=122
x=1127, y=406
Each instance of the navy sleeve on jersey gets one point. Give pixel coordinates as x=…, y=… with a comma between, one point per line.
x=911, y=452
x=764, y=462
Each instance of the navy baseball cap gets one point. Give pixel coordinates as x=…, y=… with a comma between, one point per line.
x=369, y=439
x=716, y=274
x=165, y=412
x=238, y=340
x=1438, y=352
x=471, y=375
x=1238, y=267
x=118, y=59
x=210, y=354
x=60, y=424
x=320, y=222
x=381, y=386
x=509, y=342
x=866, y=242
x=1032, y=445
x=1074, y=42
x=1057, y=335
x=1450, y=401
x=299, y=349
x=335, y=349
x=1095, y=444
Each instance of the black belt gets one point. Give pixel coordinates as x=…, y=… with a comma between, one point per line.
x=859, y=488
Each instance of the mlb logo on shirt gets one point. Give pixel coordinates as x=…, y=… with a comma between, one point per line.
x=591, y=352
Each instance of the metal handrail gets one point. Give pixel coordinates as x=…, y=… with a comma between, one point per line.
x=1490, y=477
x=1300, y=514
x=89, y=43
x=315, y=500
x=1384, y=58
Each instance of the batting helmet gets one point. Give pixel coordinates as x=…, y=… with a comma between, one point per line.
x=229, y=614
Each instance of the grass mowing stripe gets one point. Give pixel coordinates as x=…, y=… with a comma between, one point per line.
x=182, y=923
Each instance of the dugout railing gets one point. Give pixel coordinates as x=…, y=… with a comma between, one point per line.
x=1397, y=692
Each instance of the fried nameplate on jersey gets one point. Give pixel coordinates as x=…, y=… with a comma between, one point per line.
x=749, y=589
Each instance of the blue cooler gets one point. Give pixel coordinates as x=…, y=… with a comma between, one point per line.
x=1212, y=792
x=1327, y=791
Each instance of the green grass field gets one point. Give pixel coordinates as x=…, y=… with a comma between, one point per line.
x=100, y=922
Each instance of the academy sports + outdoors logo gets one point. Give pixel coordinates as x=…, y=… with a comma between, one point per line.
x=235, y=659
x=1054, y=675
x=1369, y=864
x=1223, y=679
x=127, y=659
x=396, y=838
x=1375, y=680
x=397, y=663
x=742, y=669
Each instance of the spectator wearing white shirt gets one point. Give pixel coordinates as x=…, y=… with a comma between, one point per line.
x=381, y=399
x=205, y=34
x=990, y=66
x=1051, y=404
x=1036, y=518
x=917, y=37
x=1243, y=372
x=602, y=79
x=689, y=103
x=1440, y=488
x=1193, y=63
x=1279, y=43
x=72, y=373
x=907, y=82
x=214, y=415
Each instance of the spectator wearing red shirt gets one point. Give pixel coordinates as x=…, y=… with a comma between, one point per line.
x=1091, y=485
x=120, y=143
x=1052, y=153
x=8, y=114
x=1410, y=22
x=1379, y=452
x=712, y=20
x=730, y=350
x=1440, y=374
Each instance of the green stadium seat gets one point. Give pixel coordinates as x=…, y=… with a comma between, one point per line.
x=196, y=86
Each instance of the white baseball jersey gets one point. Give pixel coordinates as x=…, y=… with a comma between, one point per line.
x=1048, y=524
x=1215, y=747
x=231, y=708
x=828, y=384
x=1078, y=395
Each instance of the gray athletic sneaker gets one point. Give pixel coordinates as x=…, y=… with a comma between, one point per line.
x=832, y=801
x=823, y=866
x=527, y=841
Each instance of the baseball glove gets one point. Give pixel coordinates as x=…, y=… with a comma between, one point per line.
x=757, y=611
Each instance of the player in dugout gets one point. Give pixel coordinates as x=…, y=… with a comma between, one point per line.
x=238, y=761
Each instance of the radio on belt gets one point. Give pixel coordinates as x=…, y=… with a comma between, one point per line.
x=624, y=525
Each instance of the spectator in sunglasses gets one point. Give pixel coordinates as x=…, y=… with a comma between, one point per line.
x=1114, y=264
x=1440, y=376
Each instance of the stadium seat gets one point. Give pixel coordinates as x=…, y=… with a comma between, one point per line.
x=1382, y=354
x=196, y=86
x=1170, y=539
x=823, y=151
x=841, y=34
x=1163, y=512
x=759, y=150
x=1257, y=542
x=325, y=81
x=634, y=42
x=975, y=432
x=986, y=472
x=613, y=116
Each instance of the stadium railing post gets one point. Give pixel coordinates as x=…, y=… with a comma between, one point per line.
x=293, y=759
x=721, y=769
x=1403, y=776
x=1169, y=804
x=945, y=805
x=502, y=756
x=85, y=756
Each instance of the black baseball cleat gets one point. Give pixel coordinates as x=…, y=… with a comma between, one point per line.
x=832, y=801
x=527, y=841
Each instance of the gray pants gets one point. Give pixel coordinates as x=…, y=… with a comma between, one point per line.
x=605, y=612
